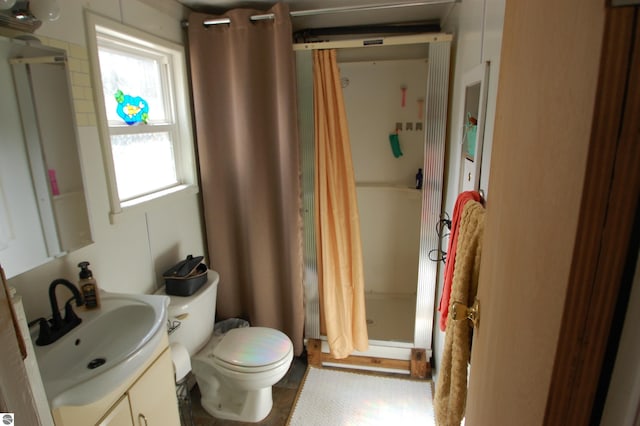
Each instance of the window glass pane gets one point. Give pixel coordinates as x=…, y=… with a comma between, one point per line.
x=134, y=76
x=144, y=163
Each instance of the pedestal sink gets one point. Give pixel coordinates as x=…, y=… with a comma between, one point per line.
x=110, y=344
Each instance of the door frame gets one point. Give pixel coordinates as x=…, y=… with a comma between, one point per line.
x=16, y=396
x=605, y=251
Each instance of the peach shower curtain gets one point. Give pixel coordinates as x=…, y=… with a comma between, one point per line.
x=339, y=250
x=244, y=93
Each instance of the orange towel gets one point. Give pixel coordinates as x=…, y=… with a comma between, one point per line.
x=451, y=253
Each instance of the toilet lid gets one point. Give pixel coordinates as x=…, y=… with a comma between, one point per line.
x=251, y=347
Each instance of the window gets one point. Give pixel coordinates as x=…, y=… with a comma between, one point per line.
x=144, y=115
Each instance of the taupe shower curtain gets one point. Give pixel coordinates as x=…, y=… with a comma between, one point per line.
x=246, y=121
x=339, y=248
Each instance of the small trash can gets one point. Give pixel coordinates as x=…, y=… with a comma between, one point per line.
x=183, y=394
x=222, y=327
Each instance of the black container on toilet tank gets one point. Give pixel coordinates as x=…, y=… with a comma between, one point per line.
x=186, y=277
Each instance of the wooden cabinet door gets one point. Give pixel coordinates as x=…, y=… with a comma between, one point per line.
x=119, y=415
x=153, y=397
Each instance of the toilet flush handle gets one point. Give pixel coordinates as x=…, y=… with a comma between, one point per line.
x=174, y=322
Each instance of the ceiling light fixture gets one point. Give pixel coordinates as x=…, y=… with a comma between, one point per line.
x=7, y=4
x=46, y=10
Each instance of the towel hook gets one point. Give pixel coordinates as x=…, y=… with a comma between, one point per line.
x=461, y=312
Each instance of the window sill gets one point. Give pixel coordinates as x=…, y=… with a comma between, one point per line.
x=154, y=201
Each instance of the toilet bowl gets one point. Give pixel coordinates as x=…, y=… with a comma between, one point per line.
x=234, y=371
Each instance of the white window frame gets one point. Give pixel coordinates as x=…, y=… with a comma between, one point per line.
x=181, y=132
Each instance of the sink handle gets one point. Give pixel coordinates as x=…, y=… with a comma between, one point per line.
x=44, y=337
x=70, y=316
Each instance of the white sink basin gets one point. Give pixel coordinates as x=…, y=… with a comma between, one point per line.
x=110, y=344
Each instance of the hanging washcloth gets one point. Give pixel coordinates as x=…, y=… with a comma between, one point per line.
x=395, y=145
x=462, y=199
x=451, y=389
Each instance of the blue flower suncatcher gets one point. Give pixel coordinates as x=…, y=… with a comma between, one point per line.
x=132, y=109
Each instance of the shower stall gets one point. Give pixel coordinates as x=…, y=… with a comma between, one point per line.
x=395, y=93
x=383, y=98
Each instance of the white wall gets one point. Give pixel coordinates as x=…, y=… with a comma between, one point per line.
x=388, y=203
x=128, y=256
x=477, y=29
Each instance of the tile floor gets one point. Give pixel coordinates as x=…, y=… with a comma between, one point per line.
x=284, y=394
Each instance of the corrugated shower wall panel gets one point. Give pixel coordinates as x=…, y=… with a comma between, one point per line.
x=304, y=70
x=435, y=133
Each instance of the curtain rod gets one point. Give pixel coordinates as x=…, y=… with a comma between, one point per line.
x=329, y=10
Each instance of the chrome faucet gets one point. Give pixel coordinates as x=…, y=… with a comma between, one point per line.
x=56, y=327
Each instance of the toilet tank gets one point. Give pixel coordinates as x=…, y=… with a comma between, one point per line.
x=191, y=318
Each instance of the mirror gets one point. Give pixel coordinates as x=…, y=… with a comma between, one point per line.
x=43, y=211
x=472, y=123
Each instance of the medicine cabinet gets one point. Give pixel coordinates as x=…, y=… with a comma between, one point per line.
x=43, y=211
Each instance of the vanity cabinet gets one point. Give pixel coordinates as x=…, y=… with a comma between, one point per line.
x=119, y=415
x=150, y=401
x=147, y=399
x=153, y=397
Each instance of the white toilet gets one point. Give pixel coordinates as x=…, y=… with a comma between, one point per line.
x=236, y=371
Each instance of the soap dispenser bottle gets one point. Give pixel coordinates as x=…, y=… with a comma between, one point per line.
x=419, y=178
x=88, y=286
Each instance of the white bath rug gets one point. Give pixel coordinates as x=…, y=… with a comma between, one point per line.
x=340, y=398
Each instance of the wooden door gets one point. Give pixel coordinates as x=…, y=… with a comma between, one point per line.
x=563, y=203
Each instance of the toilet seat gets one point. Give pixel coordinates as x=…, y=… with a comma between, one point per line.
x=252, y=350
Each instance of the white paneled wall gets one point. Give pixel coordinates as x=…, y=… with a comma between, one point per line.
x=388, y=202
x=373, y=98
x=390, y=228
x=477, y=29
x=128, y=256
